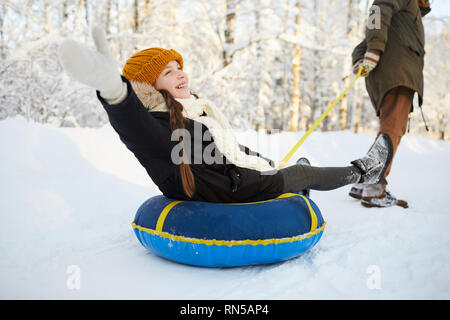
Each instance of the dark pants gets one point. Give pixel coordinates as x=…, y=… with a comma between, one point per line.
x=299, y=177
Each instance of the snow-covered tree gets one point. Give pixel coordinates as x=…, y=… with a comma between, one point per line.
x=268, y=64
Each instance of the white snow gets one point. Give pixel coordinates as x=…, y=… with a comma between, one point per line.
x=68, y=197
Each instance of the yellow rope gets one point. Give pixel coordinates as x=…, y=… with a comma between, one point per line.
x=300, y=142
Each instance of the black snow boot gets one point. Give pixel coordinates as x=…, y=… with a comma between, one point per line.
x=304, y=162
x=374, y=164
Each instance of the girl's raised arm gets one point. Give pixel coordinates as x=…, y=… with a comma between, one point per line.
x=99, y=70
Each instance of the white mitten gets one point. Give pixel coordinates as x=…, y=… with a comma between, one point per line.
x=370, y=60
x=369, y=63
x=356, y=67
x=97, y=69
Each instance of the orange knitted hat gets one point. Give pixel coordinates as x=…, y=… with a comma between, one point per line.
x=423, y=3
x=146, y=65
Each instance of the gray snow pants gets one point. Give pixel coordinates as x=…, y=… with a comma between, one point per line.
x=300, y=177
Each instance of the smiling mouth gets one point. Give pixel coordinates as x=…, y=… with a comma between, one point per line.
x=182, y=86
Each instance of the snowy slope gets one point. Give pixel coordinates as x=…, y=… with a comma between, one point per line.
x=68, y=197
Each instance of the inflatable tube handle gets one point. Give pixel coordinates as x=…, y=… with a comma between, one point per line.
x=311, y=211
x=164, y=213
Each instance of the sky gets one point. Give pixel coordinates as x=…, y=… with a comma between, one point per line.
x=440, y=8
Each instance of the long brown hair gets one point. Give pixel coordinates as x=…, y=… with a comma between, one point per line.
x=177, y=122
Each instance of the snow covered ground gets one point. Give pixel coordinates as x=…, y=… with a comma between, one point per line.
x=68, y=197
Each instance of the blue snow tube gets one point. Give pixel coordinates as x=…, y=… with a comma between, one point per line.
x=229, y=234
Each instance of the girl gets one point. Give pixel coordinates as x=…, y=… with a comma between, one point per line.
x=185, y=143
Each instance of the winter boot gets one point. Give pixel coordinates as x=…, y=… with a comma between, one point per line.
x=383, y=200
x=374, y=164
x=356, y=191
x=304, y=162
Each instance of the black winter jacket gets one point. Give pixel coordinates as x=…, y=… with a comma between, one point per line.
x=148, y=136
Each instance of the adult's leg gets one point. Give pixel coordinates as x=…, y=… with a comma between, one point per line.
x=394, y=112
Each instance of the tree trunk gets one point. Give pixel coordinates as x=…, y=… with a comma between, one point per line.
x=136, y=16
x=359, y=85
x=48, y=16
x=107, y=16
x=295, y=94
x=64, y=12
x=86, y=11
x=118, y=26
x=2, y=32
x=83, y=7
x=284, y=81
x=146, y=7
x=358, y=116
x=145, y=15
x=442, y=125
x=229, y=31
x=343, y=111
x=260, y=114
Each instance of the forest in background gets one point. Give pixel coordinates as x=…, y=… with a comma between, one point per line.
x=267, y=64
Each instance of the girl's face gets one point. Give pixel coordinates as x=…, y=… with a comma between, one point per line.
x=173, y=80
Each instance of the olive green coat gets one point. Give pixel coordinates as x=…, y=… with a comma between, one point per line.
x=401, y=39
